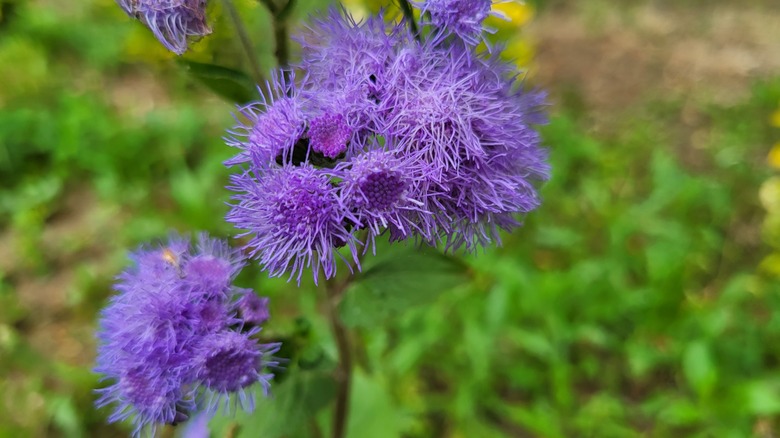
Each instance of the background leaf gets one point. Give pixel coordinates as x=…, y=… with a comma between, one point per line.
x=230, y=84
x=289, y=411
x=401, y=280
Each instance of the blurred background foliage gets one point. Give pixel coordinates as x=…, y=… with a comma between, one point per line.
x=640, y=300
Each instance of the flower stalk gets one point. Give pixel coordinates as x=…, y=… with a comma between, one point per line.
x=246, y=42
x=406, y=7
x=281, y=29
x=334, y=290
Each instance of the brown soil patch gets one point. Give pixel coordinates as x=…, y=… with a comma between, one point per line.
x=615, y=57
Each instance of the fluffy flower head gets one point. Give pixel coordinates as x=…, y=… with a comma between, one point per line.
x=173, y=22
x=229, y=362
x=171, y=306
x=294, y=218
x=382, y=191
x=329, y=134
x=269, y=129
x=252, y=309
x=420, y=137
x=460, y=17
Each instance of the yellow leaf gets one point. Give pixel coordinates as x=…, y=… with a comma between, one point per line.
x=519, y=13
x=357, y=9
x=771, y=265
x=519, y=50
x=769, y=194
x=774, y=119
x=774, y=156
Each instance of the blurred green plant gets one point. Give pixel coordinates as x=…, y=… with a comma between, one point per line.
x=638, y=302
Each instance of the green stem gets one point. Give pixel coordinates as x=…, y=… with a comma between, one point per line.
x=281, y=36
x=406, y=7
x=281, y=31
x=344, y=370
x=246, y=42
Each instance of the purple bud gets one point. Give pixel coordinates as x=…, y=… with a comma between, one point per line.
x=329, y=134
x=252, y=309
x=228, y=361
x=460, y=17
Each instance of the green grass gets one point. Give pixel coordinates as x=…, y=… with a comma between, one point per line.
x=628, y=306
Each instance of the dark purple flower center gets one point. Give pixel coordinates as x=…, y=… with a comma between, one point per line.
x=253, y=309
x=329, y=134
x=382, y=189
x=230, y=368
x=303, y=209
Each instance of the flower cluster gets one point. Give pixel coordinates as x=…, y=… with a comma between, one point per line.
x=460, y=17
x=179, y=337
x=428, y=140
x=173, y=22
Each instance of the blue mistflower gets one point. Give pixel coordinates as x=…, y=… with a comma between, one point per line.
x=269, y=129
x=294, y=218
x=460, y=17
x=473, y=123
x=252, y=309
x=427, y=140
x=346, y=64
x=173, y=22
x=338, y=52
x=154, y=333
x=383, y=191
x=228, y=362
x=329, y=134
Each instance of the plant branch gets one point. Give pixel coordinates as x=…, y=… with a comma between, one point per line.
x=281, y=36
x=334, y=290
x=246, y=42
x=406, y=7
x=279, y=16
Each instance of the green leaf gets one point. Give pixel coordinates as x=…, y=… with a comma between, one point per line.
x=762, y=397
x=400, y=281
x=372, y=409
x=287, y=412
x=699, y=368
x=65, y=416
x=233, y=85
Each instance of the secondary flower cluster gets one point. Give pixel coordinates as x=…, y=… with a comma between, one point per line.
x=461, y=17
x=179, y=337
x=173, y=22
x=376, y=130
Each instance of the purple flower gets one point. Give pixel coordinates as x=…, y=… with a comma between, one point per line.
x=252, y=309
x=229, y=362
x=423, y=139
x=472, y=122
x=460, y=17
x=294, y=218
x=329, y=134
x=173, y=22
x=155, y=331
x=149, y=398
x=440, y=95
x=268, y=130
x=211, y=271
x=338, y=52
x=382, y=190
x=346, y=64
